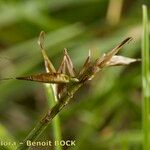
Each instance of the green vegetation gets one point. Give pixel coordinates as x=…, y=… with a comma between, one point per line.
x=107, y=112
x=145, y=79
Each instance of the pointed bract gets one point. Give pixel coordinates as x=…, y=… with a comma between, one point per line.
x=101, y=62
x=49, y=78
x=62, y=68
x=69, y=64
x=117, y=60
x=86, y=64
x=48, y=64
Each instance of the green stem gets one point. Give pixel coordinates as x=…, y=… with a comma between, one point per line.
x=145, y=81
x=43, y=123
x=52, y=99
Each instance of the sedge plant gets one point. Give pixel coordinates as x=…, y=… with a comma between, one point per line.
x=65, y=82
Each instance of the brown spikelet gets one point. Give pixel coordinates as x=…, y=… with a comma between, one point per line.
x=48, y=64
x=60, y=88
x=101, y=62
x=86, y=65
x=69, y=64
x=66, y=75
x=62, y=68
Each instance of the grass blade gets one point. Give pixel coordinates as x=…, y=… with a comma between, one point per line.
x=52, y=99
x=145, y=81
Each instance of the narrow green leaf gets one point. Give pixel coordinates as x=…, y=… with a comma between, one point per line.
x=145, y=81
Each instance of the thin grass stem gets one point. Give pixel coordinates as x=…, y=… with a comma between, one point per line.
x=52, y=99
x=145, y=81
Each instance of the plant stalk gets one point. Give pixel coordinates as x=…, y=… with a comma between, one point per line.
x=145, y=81
x=90, y=69
x=52, y=99
x=43, y=123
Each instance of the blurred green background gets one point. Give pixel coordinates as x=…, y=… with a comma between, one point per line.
x=106, y=113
